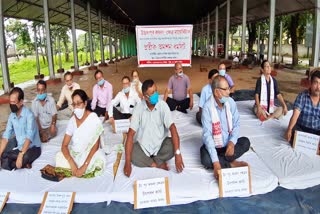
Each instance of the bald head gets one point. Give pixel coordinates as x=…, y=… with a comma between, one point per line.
x=178, y=68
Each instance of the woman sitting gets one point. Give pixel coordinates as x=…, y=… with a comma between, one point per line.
x=80, y=150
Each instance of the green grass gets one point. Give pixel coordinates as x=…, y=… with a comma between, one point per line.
x=25, y=69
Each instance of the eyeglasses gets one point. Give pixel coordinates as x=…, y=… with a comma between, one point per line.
x=76, y=104
x=225, y=89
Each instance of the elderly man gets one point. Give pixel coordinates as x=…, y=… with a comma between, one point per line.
x=102, y=95
x=206, y=92
x=44, y=109
x=127, y=98
x=265, y=93
x=65, y=112
x=221, y=129
x=20, y=144
x=151, y=120
x=306, y=110
x=223, y=72
x=179, y=84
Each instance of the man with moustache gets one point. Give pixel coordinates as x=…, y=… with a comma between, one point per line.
x=20, y=144
x=306, y=110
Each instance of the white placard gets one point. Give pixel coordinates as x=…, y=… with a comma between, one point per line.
x=57, y=202
x=3, y=199
x=234, y=182
x=151, y=193
x=122, y=126
x=306, y=143
x=164, y=45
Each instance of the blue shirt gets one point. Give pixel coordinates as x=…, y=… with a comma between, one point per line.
x=207, y=137
x=309, y=115
x=206, y=92
x=23, y=127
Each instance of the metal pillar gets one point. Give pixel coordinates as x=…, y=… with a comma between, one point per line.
x=59, y=52
x=244, y=21
x=316, y=35
x=74, y=37
x=271, y=28
x=280, y=42
x=201, y=38
x=226, y=51
x=3, y=53
x=101, y=38
x=90, y=34
x=116, y=41
x=208, y=34
x=216, y=33
x=36, y=49
x=48, y=36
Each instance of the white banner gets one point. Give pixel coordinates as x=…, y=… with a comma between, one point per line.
x=164, y=45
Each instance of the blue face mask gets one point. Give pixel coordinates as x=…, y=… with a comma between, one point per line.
x=41, y=96
x=222, y=72
x=101, y=82
x=223, y=100
x=154, y=98
x=126, y=90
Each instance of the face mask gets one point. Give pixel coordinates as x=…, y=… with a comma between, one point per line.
x=126, y=90
x=14, y=108
x=100, y=83
x=223, y=99
x=222, y=72
x=154, y=98
x=180, y=74
x=41, y=96
x=79, y=112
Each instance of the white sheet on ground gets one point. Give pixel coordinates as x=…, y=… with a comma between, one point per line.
x=194, y=183
x=294, y=169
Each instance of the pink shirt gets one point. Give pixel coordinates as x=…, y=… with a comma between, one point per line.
x=102, y=96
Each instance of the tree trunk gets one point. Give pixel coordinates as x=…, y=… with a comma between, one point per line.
x=40, y=45
x=66, y=48
x=252, y=29
x=294, y=37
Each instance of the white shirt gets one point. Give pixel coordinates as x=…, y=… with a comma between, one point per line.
x=66, y=95
x=127, y=104
x=133, y=86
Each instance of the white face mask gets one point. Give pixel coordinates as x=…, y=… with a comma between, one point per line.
x=79, y=112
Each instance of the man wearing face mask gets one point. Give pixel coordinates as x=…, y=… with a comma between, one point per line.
x=127, y=99
x=151, y=120
x=102, y=95
x=223, y=72
x=20, y=144
x=179, y=84
x=44, y=109
x=221, y=129
x=65, y=96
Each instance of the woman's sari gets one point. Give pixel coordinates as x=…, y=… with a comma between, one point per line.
x=83, y=139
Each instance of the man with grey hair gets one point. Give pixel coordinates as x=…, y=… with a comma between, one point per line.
x=221, y=129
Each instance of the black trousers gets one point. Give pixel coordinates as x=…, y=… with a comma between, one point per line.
x=9, y=156
x=241, y=147
x=98, y=110
x=182, y=105
x=198, y=117
x=304, y=129
x=117, y=115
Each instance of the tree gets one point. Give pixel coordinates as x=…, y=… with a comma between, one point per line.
x=252, y=30
x=18, y=33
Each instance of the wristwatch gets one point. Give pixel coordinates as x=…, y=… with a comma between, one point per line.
x=178, y=152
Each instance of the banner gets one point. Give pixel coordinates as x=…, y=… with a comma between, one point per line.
x=164, y=45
